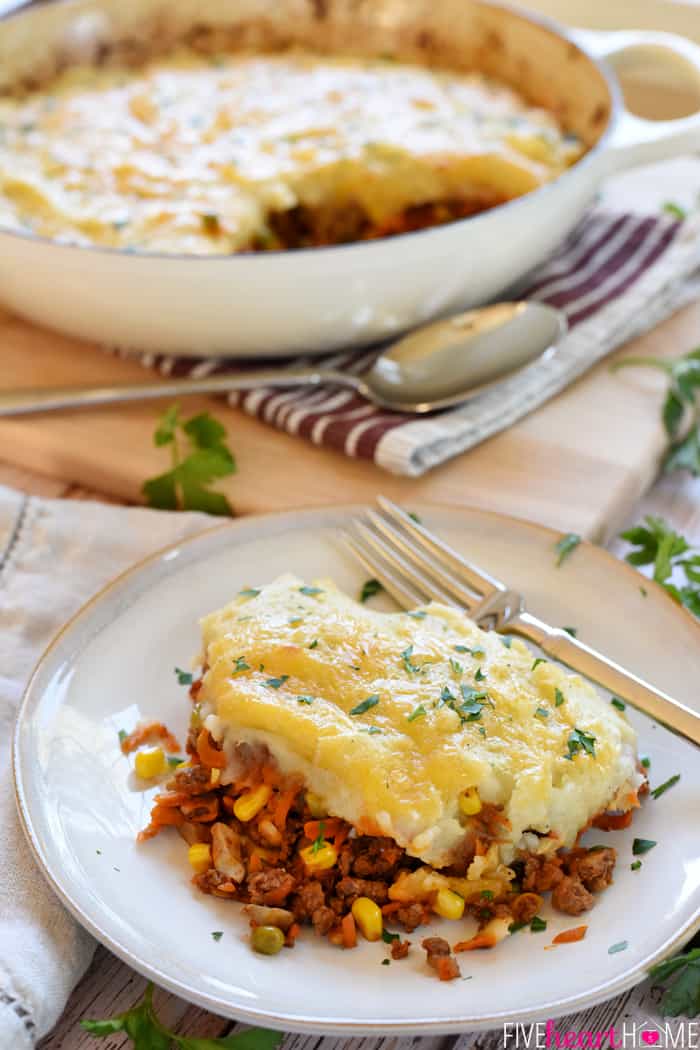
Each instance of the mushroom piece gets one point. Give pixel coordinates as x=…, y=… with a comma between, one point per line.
x=226, y=852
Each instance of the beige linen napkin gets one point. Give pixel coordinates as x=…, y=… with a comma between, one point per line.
x=53, y=556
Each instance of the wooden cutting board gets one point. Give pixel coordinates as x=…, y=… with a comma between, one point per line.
x=579, y=463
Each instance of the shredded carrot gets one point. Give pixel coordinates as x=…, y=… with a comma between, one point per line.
x=146, y=733
x=576, y=933
x=340, y=838
x=175, y=798
x=331, y=827
x=481, y=940
x=255, y=863
x=270, y=776
x=283, y=805
x=210, y=756
x=349, y=931
x=444, y=967
x=612, y=821
x=160, y=817
x=292, y=934
x=391, y=907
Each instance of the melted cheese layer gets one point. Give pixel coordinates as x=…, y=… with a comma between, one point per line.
x=390, y=717
x=193, y=154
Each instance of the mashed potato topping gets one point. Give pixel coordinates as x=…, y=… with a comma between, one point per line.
x=390, y=718
x=207, y=154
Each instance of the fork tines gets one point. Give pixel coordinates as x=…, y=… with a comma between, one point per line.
x=414, y=566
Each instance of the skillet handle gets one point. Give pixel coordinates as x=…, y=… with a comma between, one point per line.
x=636, y=140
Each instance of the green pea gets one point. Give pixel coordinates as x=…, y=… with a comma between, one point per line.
x=267, y=939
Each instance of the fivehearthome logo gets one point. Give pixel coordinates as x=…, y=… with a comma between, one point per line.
x=629, y=1035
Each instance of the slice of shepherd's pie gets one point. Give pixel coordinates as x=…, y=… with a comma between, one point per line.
x=351, y=768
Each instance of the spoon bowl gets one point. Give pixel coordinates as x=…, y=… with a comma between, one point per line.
x=441, y=364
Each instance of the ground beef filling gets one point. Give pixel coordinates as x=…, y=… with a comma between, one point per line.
x=285, y=861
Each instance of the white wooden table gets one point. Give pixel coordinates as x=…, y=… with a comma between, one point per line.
x=110, y=987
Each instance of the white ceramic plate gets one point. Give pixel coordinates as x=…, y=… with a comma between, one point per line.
x=113, y=664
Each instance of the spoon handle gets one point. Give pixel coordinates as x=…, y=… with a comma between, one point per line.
x=47, y=399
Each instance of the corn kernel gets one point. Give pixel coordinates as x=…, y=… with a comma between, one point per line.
x=368, y=917
x=470, y=803
x=149, y=764
x=323, y=858
x=199, y=856
x=249, y=805
x=448, y=904
x=317, y=807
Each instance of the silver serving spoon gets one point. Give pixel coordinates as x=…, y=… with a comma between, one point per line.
x=441, y=364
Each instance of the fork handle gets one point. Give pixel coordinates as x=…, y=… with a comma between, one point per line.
x=638, y=693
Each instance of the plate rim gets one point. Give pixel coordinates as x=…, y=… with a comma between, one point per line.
x=316, y=1024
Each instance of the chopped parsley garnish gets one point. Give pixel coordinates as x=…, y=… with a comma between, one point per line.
x=645, y=761
x=275, y=683
x=122, y=735
x=314, y=644
x=217, y=935
x=417, y=614
x=559, y=697
x=389, y=938
x=240, y=665
x=580, y=741
x=683, y=997
x=320, y=840
x=542, y=712
x=446, y=696
x=642, y=846
x=619, y=704
x=417, y=712
x=406, y=657
x=249, y=592
x=310, y=591
x=386, y=962
x=305, y=699
x=515, y=926
x=456, y=666
x=369, y=589
x=671, y=208
x=479, y=676
x=635, y=865
x=537, y=662
x=573, y=631
x=477, y=652
x=507, y=641
x=174, y=761
x=414, y=517
x=538, y=925
x=207, y=458
x=566, y=547
x=621, y=946
x=365, y=705
x=659, y=791
x=487, y=895
x=183, y=677
x=372, y=730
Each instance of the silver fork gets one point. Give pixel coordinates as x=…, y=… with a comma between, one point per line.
x=415, y=567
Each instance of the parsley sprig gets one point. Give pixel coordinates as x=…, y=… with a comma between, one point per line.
x=679, y=405
x=205, y=457
x=658, y=545
x=683, y=997
x=147, y=1032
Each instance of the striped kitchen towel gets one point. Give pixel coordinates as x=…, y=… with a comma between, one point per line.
x=617, y=275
